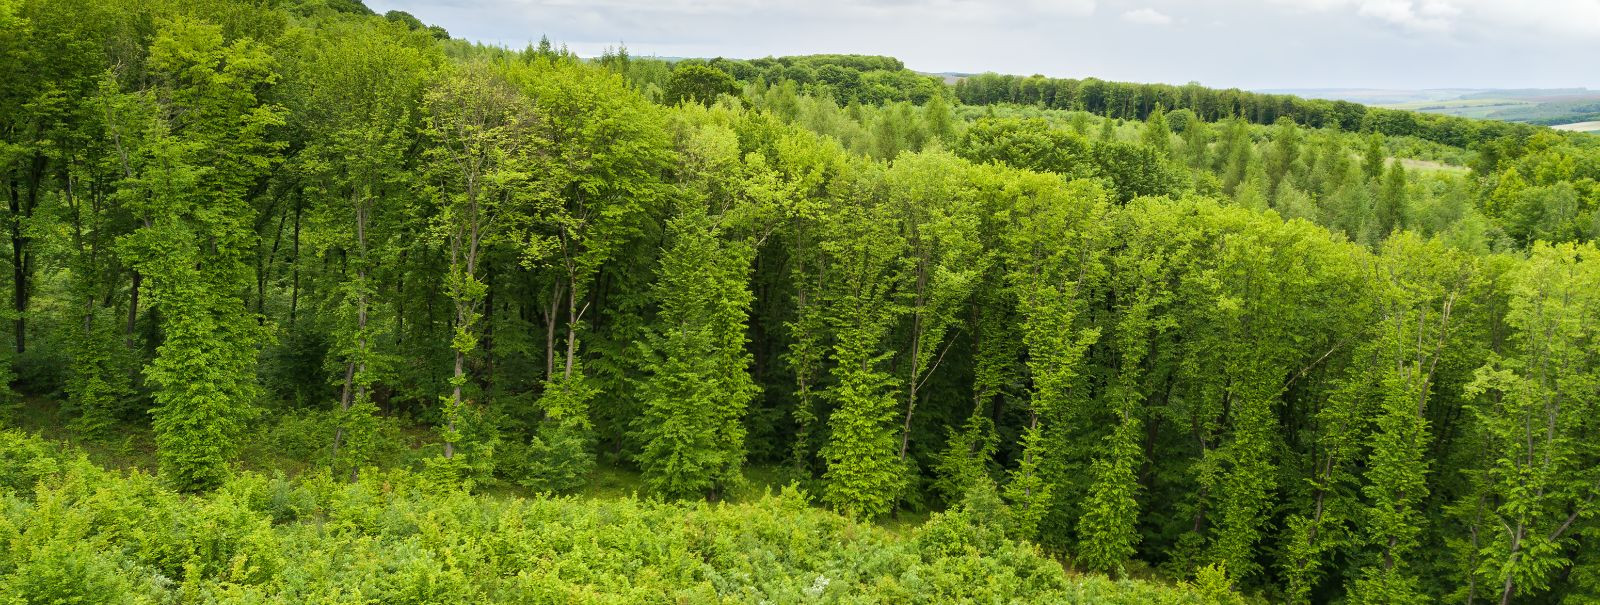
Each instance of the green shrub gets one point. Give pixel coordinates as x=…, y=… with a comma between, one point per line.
x=85, y=535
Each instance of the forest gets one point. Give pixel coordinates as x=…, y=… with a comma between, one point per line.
x=313, y=304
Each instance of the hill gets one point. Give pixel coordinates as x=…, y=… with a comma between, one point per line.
x=1528, y=105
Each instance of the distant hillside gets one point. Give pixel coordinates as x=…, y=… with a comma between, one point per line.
x=1548, y=106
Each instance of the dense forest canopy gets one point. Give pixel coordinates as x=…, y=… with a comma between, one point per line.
x=342, y=282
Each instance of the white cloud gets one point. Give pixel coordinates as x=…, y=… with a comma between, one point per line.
x=1424, y=16
x=1571, y=18
x=1147, y=16
x=1317, y=43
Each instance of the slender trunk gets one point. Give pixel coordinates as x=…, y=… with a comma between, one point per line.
x=572, y=329
x=294, y=287
x=464, y=307
x=400, y=301
x=916, y=359
x=550, y=333
x=455, y=398
x=459, y=370
x=358, y=361
x=263, y=269
x=19, y=275
x=488, y=328
x=1510, y=587
x=133, y=307
x=344, y=406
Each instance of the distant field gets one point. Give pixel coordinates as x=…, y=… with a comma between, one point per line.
x=1533, y=106
x=1466, y=108
x=1538, y=110
x=1580, y=126
x=1456, y=103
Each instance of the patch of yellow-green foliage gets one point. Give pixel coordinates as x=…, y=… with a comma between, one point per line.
x=72, y=532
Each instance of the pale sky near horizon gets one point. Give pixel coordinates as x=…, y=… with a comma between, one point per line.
x=1253, y=44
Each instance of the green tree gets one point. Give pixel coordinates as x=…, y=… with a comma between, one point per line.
x=478, y=121
x=191, y=191
x=1156, y=134
x=699, y=382
x=864, y=252
x=359, y=88
x=1538, y=409
x=598, y=162
x=693, y=82
x=1053, y=284
x=1373, y=156
x=939, y=224
x=1391, y=202
x=1424, y=284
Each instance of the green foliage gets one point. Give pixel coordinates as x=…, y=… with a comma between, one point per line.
x=190, y=189
x=561, y=453
x=1541, y=481
x=1299, y=350
x=698, y=385
x=864, y=476
x=692, y=83
x=1029, y=144
x=94, y=536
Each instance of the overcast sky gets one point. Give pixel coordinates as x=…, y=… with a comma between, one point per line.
x=1245, y=43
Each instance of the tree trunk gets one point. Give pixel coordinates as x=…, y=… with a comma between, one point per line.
x=357, y=362
x=488, y=328
x=916, y=359
x=1510, y=586
x=294, y=286
x=262, y=271
x=572, y=329
x=550, y=333
x=133, y=307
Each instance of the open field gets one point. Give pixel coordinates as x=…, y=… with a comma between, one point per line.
x=1591, y=126
x=1537, y=110
x=1534, y=106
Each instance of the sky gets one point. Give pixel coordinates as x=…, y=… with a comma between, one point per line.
x=1251, y=44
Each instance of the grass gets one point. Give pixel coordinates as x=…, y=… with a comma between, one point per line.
x=1430, y=166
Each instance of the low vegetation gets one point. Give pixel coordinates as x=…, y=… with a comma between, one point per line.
x=71, y=532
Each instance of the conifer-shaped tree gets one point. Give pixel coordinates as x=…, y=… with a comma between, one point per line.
x=191, y=188
x=698, y=383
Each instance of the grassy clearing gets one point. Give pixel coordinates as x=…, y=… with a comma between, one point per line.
x=1431, y=166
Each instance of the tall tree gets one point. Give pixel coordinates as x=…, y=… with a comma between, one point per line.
x=939, y=224
x=1538, y=413
x=864, y=252
x=1424, y=284
x=1053, y=284
x=359, y=89
x=699, y=382
x=1156, y=134
x=206, y=149
x=478, y=121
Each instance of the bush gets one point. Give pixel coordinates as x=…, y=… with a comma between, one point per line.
x=91, y=536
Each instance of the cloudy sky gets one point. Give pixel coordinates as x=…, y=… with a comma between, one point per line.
x=1246, y=43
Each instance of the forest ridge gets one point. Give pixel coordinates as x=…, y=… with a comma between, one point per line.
x=315, y=304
